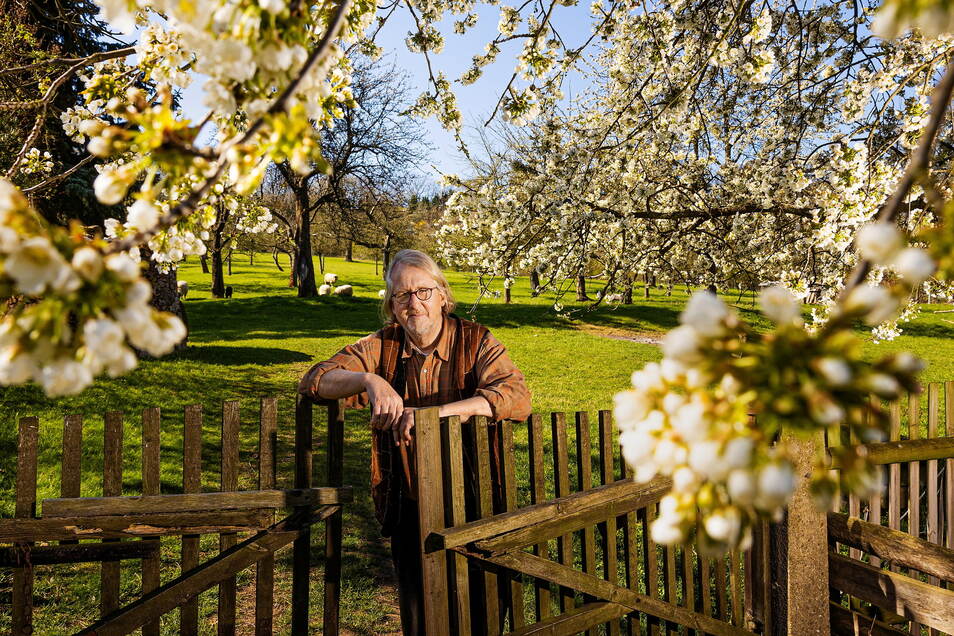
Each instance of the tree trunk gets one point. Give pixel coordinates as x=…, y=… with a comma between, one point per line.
x=581, y=288
x=218, y=278
x=165, y=294
x=349, y=248
x=251, y=257
x=534, y=282
x=321, y=262
x=646, y=285
x=711, y=288
x=507, y=295
x=229, y=259
x=204, y=261
x=386, y=258
x=304, y=268
x=627, y=288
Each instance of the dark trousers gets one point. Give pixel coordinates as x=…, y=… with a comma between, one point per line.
x=406, y=555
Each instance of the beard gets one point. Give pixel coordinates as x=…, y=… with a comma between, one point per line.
x=420, y=328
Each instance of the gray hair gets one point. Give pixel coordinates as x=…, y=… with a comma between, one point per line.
x=420, y=260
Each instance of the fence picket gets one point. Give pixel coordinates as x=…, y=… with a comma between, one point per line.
x=485, y=508
x=191, y=483
x=561, y=479
x=265, y=569
x=608, y=527
x=652, y=565
x=22, y=593
x=150, y=486
x=949, y=467
x=933, y=531
x=634, y=541
x=914, y=479
x=229, y=482
x=515, y=586
x=584, y=481
x=894, y=475
x=453, y=462
x=430, y=503
x=301, y=549
x=71, y=468
x=112, y=487
x=333, y=525
x=538, y=495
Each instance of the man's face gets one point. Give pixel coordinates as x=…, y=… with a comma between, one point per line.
x=422, y=319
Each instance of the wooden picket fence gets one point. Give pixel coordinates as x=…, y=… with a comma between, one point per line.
x=568, y=548
x=899, y=568
x=115, y=528
x=578, y=555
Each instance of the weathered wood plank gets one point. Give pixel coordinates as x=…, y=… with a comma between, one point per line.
x=430, y=506
x=898, y=547
x=301, y=551
x=561, y=479
x=735, y=580
x=333, y=525
x=914, y=478
x=453, y=461
x=894, y=473
x=71, y=462
x=112, y=487
x=150, y=487
x=130, y=526
x=584, y=481
x=845, y=621
x=568, y=577
x=191, y=484
x=25, y=507
x=514, y=585
x=196, y=502
x=922, y=603
x=609, y=527
x=807, y=592
x=230, y=460
x=27, y=556
x=903, y=451
x=484, y=510
x=537, y=496
x=265, y=569
x=567, y=515
x=576, y=620
x=220, y=567
x=949, y=468
x=933, y=530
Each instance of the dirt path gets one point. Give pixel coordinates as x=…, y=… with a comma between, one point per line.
x=615, y=333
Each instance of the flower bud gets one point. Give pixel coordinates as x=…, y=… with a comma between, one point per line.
x=779, y=305
x=914, y=265
x=878, y=242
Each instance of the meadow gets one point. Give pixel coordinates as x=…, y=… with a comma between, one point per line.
x=260, y=341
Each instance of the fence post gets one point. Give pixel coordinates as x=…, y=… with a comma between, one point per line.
x=302, y=548
x=430, y=505
x=807, y=553
x=333, y=525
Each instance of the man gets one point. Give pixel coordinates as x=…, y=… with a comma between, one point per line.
x=425, y=356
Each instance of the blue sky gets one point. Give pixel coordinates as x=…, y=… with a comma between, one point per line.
x=477, y=101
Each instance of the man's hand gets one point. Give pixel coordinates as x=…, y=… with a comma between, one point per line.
x=402, y=432
x=387, y=406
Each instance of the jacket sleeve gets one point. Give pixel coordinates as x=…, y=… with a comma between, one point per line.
x=364, y=355
x=500, y=382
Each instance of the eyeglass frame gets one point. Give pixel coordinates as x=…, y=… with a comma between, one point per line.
x=415, y=292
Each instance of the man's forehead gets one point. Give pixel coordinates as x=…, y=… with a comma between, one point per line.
x=412, y=277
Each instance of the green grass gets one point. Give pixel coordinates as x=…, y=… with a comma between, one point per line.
x=259, y=342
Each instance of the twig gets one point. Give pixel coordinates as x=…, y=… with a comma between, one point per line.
x=59, y=177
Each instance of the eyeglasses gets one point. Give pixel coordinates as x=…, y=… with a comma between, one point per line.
x=423, y=294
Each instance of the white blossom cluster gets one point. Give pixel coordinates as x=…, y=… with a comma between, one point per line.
x=85, y=305
x=36, y=162
x=690, y=417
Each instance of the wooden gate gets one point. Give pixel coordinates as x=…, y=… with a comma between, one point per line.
x=113, y=528
x=891, y=557
x=574, y=557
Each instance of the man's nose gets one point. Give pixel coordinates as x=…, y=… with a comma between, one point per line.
x=413, y=299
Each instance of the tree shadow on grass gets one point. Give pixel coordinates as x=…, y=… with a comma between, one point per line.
x=223, y=355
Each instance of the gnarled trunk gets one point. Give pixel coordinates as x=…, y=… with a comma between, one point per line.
x=218, y=276
x=581, y=288
x=534, y=282
x=303, y=269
